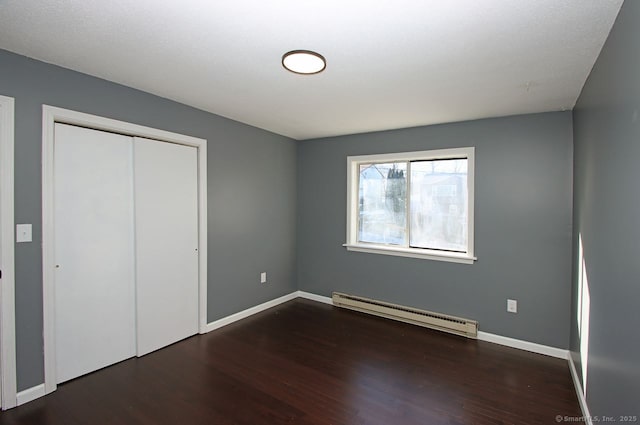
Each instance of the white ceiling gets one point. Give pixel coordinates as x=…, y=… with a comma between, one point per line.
x=390, y=63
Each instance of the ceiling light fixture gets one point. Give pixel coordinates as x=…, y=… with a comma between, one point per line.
x=304, y=62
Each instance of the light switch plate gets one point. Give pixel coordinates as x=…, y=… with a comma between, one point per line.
x=23, y=233
x=512, y=306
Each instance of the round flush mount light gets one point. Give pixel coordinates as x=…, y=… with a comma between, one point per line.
x=304, y=62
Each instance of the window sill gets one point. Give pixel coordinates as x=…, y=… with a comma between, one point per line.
x=424, y=254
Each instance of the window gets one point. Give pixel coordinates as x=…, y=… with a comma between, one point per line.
x=412, y=204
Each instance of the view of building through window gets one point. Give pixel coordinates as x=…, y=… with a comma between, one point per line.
x=437, y=196
x=383, y=206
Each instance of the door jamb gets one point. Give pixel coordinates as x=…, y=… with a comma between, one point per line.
x=8, y=392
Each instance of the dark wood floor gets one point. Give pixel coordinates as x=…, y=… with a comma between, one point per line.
x=310, y=363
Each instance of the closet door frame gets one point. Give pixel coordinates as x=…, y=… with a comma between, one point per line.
x=52, y=115
x=8, y=388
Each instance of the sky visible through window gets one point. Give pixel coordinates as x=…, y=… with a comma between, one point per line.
x=437, y=216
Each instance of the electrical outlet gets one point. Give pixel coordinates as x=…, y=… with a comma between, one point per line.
x=512, y=306
x=263, y=277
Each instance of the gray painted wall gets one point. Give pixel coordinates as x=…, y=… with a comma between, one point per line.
x=523, y=192
x=606, y=213
x=251, y=192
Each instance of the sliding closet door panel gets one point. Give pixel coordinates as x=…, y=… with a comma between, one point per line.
x=166, y=223
x=94, y=250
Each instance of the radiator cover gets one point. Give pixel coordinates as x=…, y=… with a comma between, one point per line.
x=429, y=319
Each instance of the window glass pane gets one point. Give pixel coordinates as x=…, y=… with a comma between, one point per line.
x=439, y=204
x=382, y=203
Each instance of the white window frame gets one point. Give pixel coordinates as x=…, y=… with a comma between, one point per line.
x=352, y=244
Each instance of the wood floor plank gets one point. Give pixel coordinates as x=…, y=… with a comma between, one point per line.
x=308, y=363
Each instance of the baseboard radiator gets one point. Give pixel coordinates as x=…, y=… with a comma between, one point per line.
x=441, y=322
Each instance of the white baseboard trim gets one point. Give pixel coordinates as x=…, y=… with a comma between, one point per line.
x=30, y=394
x=581, y=399
x=314, y=297
x=39, y=390
x=249, y=312
x=524, y=345
x=482, y=336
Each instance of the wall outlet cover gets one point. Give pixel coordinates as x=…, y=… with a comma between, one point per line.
x=512, y=306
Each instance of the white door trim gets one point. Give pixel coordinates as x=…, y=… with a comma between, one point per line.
x=7, y=295
x=51, y=115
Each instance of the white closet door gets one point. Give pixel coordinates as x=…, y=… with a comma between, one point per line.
x=94, y=250
x=166, y=223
